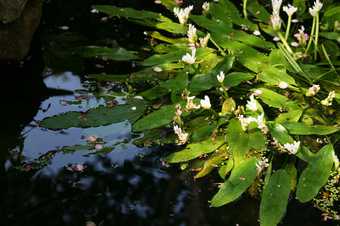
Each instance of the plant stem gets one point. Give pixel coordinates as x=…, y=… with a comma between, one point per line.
x=311, y=36
x=285, y=43
x=288, y=27
x=245, y=9
x=317, y=28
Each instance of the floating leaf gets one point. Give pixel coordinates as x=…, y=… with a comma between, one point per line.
x=236, y=78
x=211, y=163
x=240, y=179
x=299, y=128
x=275, y=198
x=95, y=117
x=156, y=119
x=273, y=99
x=316, y=174
x=195, y=150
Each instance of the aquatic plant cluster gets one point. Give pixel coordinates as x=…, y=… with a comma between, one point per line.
x=252, y=93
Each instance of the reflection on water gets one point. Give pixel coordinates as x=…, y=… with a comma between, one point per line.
x=122, y=186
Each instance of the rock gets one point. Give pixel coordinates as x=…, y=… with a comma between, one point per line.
x=10, y=10
x=16, y=37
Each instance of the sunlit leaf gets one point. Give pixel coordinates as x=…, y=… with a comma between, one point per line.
x=315, y=175
x=274, y=198
x=242, y=176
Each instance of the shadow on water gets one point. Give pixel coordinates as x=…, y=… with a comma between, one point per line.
x=126, y=186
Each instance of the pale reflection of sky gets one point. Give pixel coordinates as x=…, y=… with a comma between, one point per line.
x=64, y=81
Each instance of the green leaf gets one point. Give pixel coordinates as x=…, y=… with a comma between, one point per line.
x=273, y=76
x=211, y=163
x=237, y=140
x=240, y=179
x=95, y=117
x=202, y=82
x=143, y=17
x=236, y=78
x=225, y=169
x=299, y=128
x=156, y=119
x=275, y=199
x=316, y=174
x=273, y=99
x=105, y=53
x=195, y=150
x=168, y=58
x=280, y=133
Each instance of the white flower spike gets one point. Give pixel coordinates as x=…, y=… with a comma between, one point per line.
x=204, y=41
x=181, y=135
x=220, y=77
x=190, y=59
x=283, y=85
x=192, y=34
x=289, y=9
x=205, y=103
x=251, y=103
x=329, y=99
x=276, y=4
x=206, y=7
x=292, y=148
x=316, y=8
x=313, y=90
x=183, y=14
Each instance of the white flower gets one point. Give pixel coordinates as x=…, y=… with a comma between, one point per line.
x=94, y=11
x=276, y=39
x=133, y=108
x=275, y=21
x=292, y=148
x=205, y=103
x=192, y=34
x=295, y=21
x=220, y=77
x=283, y=85
x=251, y=104
x=329, y=99
x=157, y=69
x=290, y=10
x=301, y=36
x=257, y=33
x=261, y=165
x=91, y=139
x=183, y=14
x=98, y=147
x=316, y=8
x=181, y=135
x=190, y=59
x=261, y=124
x=178, y=110
x=204, y=41
x=276, y=4
x=313, y=90
x=245, y=121
x=206, y=7
x=190, y=103
x=257, y=92
x=294, y=44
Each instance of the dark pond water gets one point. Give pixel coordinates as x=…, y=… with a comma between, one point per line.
x=124, y=186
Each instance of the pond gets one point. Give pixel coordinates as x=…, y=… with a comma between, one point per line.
x=113, y=182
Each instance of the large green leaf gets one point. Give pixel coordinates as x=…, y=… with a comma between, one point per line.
x=280, y=133
x=235, y=78
x=316, y=174
x=299, y=128
x=99, y=116
x=156, y=119
x=273, y=76
x=143, y=17
x=211, y=163
x=195, y=150
x=240, y=179
x=273, y=99
x=275, y=198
